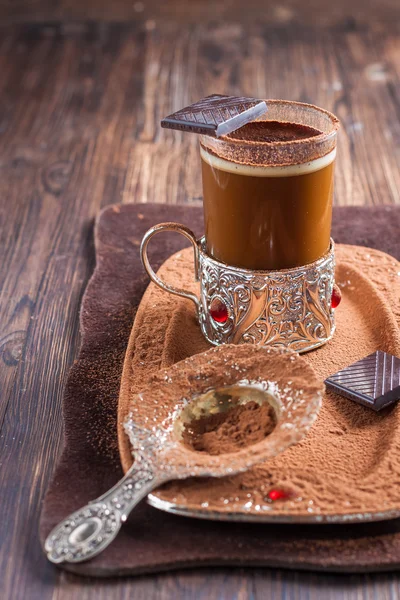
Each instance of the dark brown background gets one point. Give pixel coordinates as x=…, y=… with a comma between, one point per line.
x=83, y=85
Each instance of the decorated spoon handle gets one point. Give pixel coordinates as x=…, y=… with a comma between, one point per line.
x=88, y=531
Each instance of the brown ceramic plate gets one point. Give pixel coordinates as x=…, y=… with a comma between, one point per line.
x=348, y=467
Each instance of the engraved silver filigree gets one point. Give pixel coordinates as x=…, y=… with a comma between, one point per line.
x=289, y=308
x=86, y=532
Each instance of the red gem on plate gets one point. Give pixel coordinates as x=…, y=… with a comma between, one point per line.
x=278, y=494
x=218, y=311
x=336, y=296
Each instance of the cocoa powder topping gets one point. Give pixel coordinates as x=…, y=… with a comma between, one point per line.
x=242, y=425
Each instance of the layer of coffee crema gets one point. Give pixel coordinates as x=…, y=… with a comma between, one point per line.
x=260, y=214
x=271, y=144
x=238, y=165
x=240, y=426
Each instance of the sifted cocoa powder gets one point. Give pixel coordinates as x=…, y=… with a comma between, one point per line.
x=243, y=425
x=273, y=131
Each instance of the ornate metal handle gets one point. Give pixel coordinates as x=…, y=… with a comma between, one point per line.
x=86, y=532
x=146, y=263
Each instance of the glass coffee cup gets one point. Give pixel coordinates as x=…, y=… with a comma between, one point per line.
x=266, y=262
x=268, y=188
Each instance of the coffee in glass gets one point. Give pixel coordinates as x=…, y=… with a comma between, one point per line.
x=268, y=188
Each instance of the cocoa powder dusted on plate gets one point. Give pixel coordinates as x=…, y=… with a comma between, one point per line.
x=350, y=455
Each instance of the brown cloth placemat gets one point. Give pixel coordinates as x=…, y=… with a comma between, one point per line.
x=152, y=540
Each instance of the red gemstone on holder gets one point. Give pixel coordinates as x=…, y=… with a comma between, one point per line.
x=278, y=494
x=218, y=311
x=336, y=296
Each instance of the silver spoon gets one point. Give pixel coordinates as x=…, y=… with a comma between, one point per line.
x=160, y=456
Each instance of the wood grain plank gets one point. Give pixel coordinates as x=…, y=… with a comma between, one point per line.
x=319, y=13
x=79, y=110
x=58, y=164
x=232, y=584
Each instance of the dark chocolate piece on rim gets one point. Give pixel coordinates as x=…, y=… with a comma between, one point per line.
x=216, y=115
x=373, y=381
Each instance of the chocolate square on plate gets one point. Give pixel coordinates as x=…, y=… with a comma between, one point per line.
x=373, y=381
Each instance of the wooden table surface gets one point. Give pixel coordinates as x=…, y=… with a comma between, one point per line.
x=82, y=89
